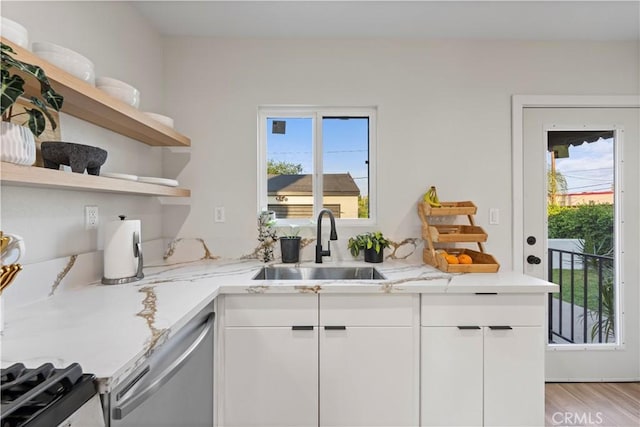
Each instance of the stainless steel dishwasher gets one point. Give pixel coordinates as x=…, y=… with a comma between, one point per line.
x=174, y=387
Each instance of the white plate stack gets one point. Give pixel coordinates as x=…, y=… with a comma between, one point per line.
x=14, y=32
x=66, y=59
x=165, y=120
x=119, y=90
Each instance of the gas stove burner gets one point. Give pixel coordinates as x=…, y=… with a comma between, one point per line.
x=43, y=396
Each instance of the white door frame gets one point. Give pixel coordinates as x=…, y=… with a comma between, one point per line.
x=518, y=104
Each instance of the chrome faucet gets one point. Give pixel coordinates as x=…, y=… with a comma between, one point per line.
x=333, y=236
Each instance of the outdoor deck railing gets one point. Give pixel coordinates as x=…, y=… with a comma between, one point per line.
x=579, y=270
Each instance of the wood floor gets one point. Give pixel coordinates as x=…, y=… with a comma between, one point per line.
x=592, y=404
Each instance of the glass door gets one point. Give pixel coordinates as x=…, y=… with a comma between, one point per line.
x=577, y=193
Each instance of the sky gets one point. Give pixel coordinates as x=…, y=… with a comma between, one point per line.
x=589, y=167
x=345, y=146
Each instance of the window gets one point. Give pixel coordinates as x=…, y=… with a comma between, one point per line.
x=314, y=158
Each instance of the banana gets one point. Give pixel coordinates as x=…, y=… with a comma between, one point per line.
x=431, y=197
x=434, y=198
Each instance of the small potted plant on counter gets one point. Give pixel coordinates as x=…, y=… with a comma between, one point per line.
x=372, y=243
x=290, y=246
x=18, y=143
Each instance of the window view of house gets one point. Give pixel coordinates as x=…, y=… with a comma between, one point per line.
x=313, y=144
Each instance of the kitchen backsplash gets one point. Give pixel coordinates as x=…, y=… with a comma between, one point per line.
x=44, y=279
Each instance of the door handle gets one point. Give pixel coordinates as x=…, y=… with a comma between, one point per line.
x=302, y=328
x=532, y=259
x=500, y=328
x=335, y=328
x=464, y=328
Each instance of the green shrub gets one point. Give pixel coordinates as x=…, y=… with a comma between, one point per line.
x=594, y=223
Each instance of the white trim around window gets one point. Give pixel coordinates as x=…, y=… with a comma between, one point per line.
x=316, y=114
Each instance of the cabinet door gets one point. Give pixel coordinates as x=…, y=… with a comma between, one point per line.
x=514, y=376
x=451, y=376
x=368, y=376
x=270, y=377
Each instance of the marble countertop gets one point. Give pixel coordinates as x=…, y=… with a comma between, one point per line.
x=111, y=330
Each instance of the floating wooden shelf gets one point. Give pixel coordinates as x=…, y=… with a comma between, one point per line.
x=92, y=105
x=31, y=176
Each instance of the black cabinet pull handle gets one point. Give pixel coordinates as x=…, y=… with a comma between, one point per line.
x=335, y=328
x=486, y=293
x=302, y=328
x=468, y=327
x=500, y=328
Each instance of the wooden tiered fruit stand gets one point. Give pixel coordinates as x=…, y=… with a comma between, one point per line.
x=436, y=233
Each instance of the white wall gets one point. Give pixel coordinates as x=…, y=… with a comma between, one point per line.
x=444, y=120
x=444, y=117
x=121, y=45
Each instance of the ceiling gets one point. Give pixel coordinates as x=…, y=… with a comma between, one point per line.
x=478, y=19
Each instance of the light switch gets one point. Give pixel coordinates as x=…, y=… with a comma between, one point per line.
x=494, y=216
x=219, y=215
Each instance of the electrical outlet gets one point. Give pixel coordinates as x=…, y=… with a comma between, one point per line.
x=219, y=214
x=90, y=217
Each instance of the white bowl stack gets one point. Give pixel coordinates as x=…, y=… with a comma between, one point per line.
x=165, y=120
x=14, y=32
x=66, y=59
x=119, y=90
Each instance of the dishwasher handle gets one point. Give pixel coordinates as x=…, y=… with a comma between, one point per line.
x=126, y=407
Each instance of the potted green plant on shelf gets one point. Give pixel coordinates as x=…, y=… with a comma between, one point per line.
x=372, y=243
x=290, y=245
x=18, y=142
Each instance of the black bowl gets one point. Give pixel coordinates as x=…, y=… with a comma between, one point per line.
x=78, y=156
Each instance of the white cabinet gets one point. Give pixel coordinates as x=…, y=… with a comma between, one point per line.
x=482, y=360
x=451, y=376
x=271, y=377
x=369, y=364
x=364, y=360
x=514, y=376
x=269, y=369
x=332, y=360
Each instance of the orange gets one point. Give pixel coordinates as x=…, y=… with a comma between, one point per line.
x=452, y=259
x=465, y=259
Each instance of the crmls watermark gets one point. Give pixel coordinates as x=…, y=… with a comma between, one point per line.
x=577, y=418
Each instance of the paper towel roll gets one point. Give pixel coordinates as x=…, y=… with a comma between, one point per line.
x=119, y=257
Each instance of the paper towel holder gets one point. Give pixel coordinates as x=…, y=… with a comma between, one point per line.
x=137, y=253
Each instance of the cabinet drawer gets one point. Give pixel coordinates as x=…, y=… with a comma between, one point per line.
x=271, y=310
x=368, y=310
x=483, y=310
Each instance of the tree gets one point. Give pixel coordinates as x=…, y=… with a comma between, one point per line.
x=556, y=184
x=283, y=168
x=363, y=206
